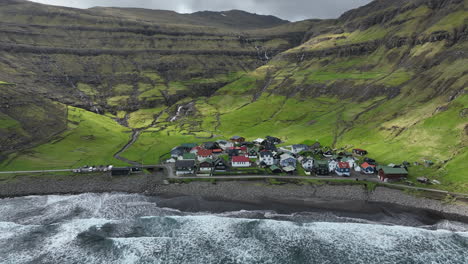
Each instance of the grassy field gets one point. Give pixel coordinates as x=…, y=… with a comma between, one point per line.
x=91, y=139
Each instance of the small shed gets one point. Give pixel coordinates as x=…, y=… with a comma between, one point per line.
x=387, y=173
x=238, y=139
x=360, y=152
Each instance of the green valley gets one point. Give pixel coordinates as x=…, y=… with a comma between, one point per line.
x=391, y=78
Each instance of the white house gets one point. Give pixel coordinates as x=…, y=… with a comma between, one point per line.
x=308, y=164
x=240, y=162
x=287, y=160
x=259, y=141
x=332, y=165
x=298, y=148
x=267, y=158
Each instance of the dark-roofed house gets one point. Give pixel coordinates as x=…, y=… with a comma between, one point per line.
x=360, y=152
x=177, y=152
x=184, y=167
x=267, y=158
x=387, y=173
x=321, y=167
x=206, y=165
x=272, y=140
x=220, y=165
x=253, y=154
x=238, y=139
x=275, y=169
x=211, y=145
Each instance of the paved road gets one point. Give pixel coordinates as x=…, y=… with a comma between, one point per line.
x=36, y=171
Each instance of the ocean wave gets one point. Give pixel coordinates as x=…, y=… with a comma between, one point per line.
x=120, y=228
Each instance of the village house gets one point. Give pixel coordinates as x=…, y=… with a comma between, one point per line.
x=204, y=154
x=237, y=139
x=287, y=160
x=177, y=152
x=223, y=144
x=217, y=151
x=321, y=167
x=240, y=162
x=232, y=152
x=351, y=161
x=360, y=152
x=368, y=168
x=267, y=158
x=299, y=148
x=259, y=141
x=184, y=167
x=272, y=140
x=195, y=149
x=343, y=169
x=307, y=164
x=253, y=153
x=387, y=173
x=332, y=165
x=210, y=145
x=206, y=166
x=220, y=165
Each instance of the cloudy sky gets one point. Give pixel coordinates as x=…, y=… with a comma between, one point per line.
x=287, y=9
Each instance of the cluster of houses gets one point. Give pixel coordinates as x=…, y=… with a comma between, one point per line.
x=237, y=153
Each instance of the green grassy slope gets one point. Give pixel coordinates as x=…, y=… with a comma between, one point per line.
x=389, y=77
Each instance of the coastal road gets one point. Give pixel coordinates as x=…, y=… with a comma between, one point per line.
x=36, y=171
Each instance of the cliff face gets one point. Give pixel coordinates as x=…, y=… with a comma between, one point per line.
x=111, y=60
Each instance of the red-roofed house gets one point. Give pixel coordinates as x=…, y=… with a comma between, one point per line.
x=240, y=162
x=204, y=154
x=217, y=151
x=343, y=169
x=195, y=149
x=368, y=168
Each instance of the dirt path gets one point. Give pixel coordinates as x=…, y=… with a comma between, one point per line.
x=136, y=133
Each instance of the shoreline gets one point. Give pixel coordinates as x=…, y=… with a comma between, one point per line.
x=351, y=199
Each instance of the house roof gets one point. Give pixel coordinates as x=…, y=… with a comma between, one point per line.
x=207, y=162
x=217, y=150
x=286, y=156
x=205, y=152
x=189, y=145
x=189, y=156
x=366, y=165
x=358, y=149
x=321, y=162
x=266, y=154
x=185, y=163
x=289, y=169
x=237, y=137
x=274, y=167
x=391, y=170
x=240, y=159
x=343, y=165
x=300, y=146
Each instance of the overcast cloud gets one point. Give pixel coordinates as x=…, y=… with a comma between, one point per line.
x=287, y=9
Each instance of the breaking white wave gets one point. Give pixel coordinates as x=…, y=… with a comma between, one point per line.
x=123, y=228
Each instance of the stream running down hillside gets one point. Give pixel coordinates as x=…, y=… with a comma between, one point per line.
x=124, y=228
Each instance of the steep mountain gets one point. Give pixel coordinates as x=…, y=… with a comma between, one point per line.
x=390, y=77
x=106, y=60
